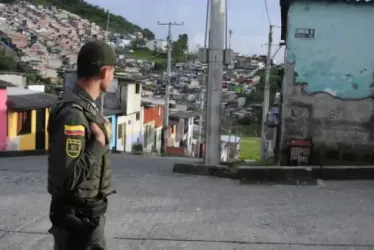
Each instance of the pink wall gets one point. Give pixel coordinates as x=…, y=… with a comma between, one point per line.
x=3, y=120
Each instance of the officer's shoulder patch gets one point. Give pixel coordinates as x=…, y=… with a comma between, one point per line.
x=77, y=130
x=76, y=106
x=73, y=147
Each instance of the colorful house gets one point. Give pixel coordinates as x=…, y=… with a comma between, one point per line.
x=27, y=119
x=153, y=122
x=3, y=118
x=328, y=85
x=122, y=107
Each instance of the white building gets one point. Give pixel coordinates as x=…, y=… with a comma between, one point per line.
x=158, y=45
x=127, y=93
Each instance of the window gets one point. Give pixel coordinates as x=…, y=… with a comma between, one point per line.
x=137, y=88
x=24, y=123
x=137, y=116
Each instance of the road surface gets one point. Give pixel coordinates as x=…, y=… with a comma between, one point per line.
x=156, y=209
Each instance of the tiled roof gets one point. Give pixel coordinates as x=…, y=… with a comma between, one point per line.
x=30, y=101
x=285, y=5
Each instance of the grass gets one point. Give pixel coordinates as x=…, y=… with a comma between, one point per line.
x=149, y=55
x=250, y=148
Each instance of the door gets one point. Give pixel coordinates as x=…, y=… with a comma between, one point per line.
x=121, y=137
x=40, y=130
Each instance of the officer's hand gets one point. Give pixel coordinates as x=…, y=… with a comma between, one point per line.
x=99, y=134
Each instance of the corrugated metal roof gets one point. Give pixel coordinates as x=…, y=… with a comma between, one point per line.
x=30, y=101
x=285, y=5
x=5, y=84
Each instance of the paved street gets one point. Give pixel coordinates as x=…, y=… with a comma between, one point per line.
x=156, y=209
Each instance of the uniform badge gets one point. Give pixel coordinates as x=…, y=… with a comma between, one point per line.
x=73, y=147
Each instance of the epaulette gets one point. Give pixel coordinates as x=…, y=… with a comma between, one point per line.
x=77, y=106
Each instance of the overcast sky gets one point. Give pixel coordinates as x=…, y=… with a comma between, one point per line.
x=247, y=19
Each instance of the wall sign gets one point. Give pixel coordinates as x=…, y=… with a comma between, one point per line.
x=304, y=33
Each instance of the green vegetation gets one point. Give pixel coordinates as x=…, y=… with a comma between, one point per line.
x=94, y=14
x=250, y=148
x=149, y=55
x=250, y=128
x=7, y=63
x=258, y=95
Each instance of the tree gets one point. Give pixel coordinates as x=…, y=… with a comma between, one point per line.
x=180, y=47
x=148, y=34
x=7, y=63
x=137, y=43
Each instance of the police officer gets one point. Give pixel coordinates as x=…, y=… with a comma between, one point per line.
x=79, y=175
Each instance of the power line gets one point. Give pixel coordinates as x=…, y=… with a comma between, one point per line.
x=267, y=11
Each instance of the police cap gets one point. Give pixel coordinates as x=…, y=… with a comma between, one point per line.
x=94, y=55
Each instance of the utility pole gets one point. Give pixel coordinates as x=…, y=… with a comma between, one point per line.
x=230, y=36
x=265, y=106
x=106, y=40
x=215, y=77
x=168, y=81
x=202, y=104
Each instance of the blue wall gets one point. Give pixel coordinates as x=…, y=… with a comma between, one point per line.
x=340, y=59
x=113, y=120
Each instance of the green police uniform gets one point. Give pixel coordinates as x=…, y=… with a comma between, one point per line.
x=79, y=174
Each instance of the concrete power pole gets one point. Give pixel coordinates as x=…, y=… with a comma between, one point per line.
x=265, y=107
x=215, y=77
x=202, y=109
x=167, y=91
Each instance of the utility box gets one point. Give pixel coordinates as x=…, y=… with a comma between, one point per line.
x=203, y=55
x=227, y=56
x=299, y=152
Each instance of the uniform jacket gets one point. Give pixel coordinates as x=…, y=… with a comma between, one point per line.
x=78, y=164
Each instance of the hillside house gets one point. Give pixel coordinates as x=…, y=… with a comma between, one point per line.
x=184, y=134
x=27, y=119
x=153, y=122
x=124, y=96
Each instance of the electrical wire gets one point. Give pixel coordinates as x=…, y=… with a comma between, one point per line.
x=267, y=11
x=226, y=28
x=206, y=23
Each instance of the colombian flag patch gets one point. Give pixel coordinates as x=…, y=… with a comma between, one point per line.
x=74, y=130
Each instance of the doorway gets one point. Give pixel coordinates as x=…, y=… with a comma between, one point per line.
x=40, y=130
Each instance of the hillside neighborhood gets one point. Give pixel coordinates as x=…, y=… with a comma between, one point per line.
x=47, y=39
x=243, y=153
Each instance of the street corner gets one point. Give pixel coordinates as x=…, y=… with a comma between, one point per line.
x=203, y=169
x=277, y=175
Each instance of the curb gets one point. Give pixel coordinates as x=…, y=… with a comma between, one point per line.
x=22, y=153
x=347, y=173
x=289, y=175
x=277, y=175
x=206, y=170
